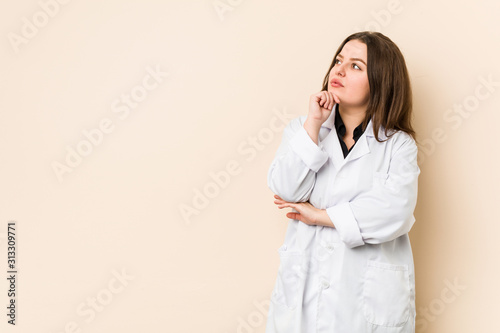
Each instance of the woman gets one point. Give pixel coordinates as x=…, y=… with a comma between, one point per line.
x=349, y=171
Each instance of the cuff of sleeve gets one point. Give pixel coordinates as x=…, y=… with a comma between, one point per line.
x=346, y=224
x=312, y=155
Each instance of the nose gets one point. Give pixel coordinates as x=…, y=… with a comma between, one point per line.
x=339, y=70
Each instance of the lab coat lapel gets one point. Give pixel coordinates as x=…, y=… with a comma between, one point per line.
x=362, y=146
x=331, y=142
x=332, y=146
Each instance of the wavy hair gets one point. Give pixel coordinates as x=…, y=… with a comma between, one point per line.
x=390, y=101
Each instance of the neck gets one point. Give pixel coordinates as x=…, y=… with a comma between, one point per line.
x=352, y=117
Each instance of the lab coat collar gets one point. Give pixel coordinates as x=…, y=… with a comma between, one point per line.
x=330, y=123
x=361, y=148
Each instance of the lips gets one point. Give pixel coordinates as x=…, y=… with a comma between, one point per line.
x=336, y=83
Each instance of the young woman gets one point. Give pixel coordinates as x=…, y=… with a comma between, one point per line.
x=349, y=171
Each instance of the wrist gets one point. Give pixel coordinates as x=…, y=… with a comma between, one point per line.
x=323, y=219
x=313, y=124
x=312, y=129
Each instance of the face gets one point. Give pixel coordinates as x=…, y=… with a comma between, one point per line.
x=348, y=78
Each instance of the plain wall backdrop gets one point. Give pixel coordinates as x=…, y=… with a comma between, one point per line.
x=136, y=136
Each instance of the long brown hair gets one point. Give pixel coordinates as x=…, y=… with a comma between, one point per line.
x=390, y=103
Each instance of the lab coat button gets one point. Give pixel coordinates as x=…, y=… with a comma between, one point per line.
x=325, y=284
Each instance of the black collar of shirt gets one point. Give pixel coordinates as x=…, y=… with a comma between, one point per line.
x=340, y=127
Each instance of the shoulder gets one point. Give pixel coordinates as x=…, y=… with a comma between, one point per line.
x=400, y=136
x=393, y=140
x=403, y=142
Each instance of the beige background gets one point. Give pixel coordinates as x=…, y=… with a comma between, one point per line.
x=230, y=74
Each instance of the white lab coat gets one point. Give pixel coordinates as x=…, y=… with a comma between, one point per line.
x=359, y=276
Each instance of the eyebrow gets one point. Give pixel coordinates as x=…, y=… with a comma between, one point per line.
x=358, y=59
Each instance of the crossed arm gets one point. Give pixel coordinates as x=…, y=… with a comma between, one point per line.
x=380, y=214
x=306, y=212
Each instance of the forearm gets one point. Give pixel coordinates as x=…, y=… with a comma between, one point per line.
x=312, y=128
x=292, y=174
x=322, y=219
x=385, y=212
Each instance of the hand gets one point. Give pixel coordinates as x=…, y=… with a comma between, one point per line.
x=306, y=212
x=321, y=105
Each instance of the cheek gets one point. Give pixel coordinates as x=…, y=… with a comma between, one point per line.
x=331, y=75
x=367, y=88
x=363, y=88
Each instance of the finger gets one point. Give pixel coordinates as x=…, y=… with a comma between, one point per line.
x=336, y=98
x=294, y=216
x=322, y=100
x=318, y=98
x=297, y=216
x=330, y=100
x=281, y=202
x=325, y=99
x=277, y=198
x=285, y=205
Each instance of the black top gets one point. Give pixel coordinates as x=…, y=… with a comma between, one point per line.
x=340, y=127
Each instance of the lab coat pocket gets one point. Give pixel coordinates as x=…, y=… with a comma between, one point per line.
x=386, y=294
x=290, y=273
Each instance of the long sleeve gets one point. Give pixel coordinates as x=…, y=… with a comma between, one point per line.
x=292, y=173
x=386, y=211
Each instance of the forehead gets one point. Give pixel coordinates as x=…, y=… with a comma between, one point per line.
x=354, y=49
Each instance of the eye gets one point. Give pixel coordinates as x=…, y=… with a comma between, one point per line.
x=337, y=61
x=356, y=66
